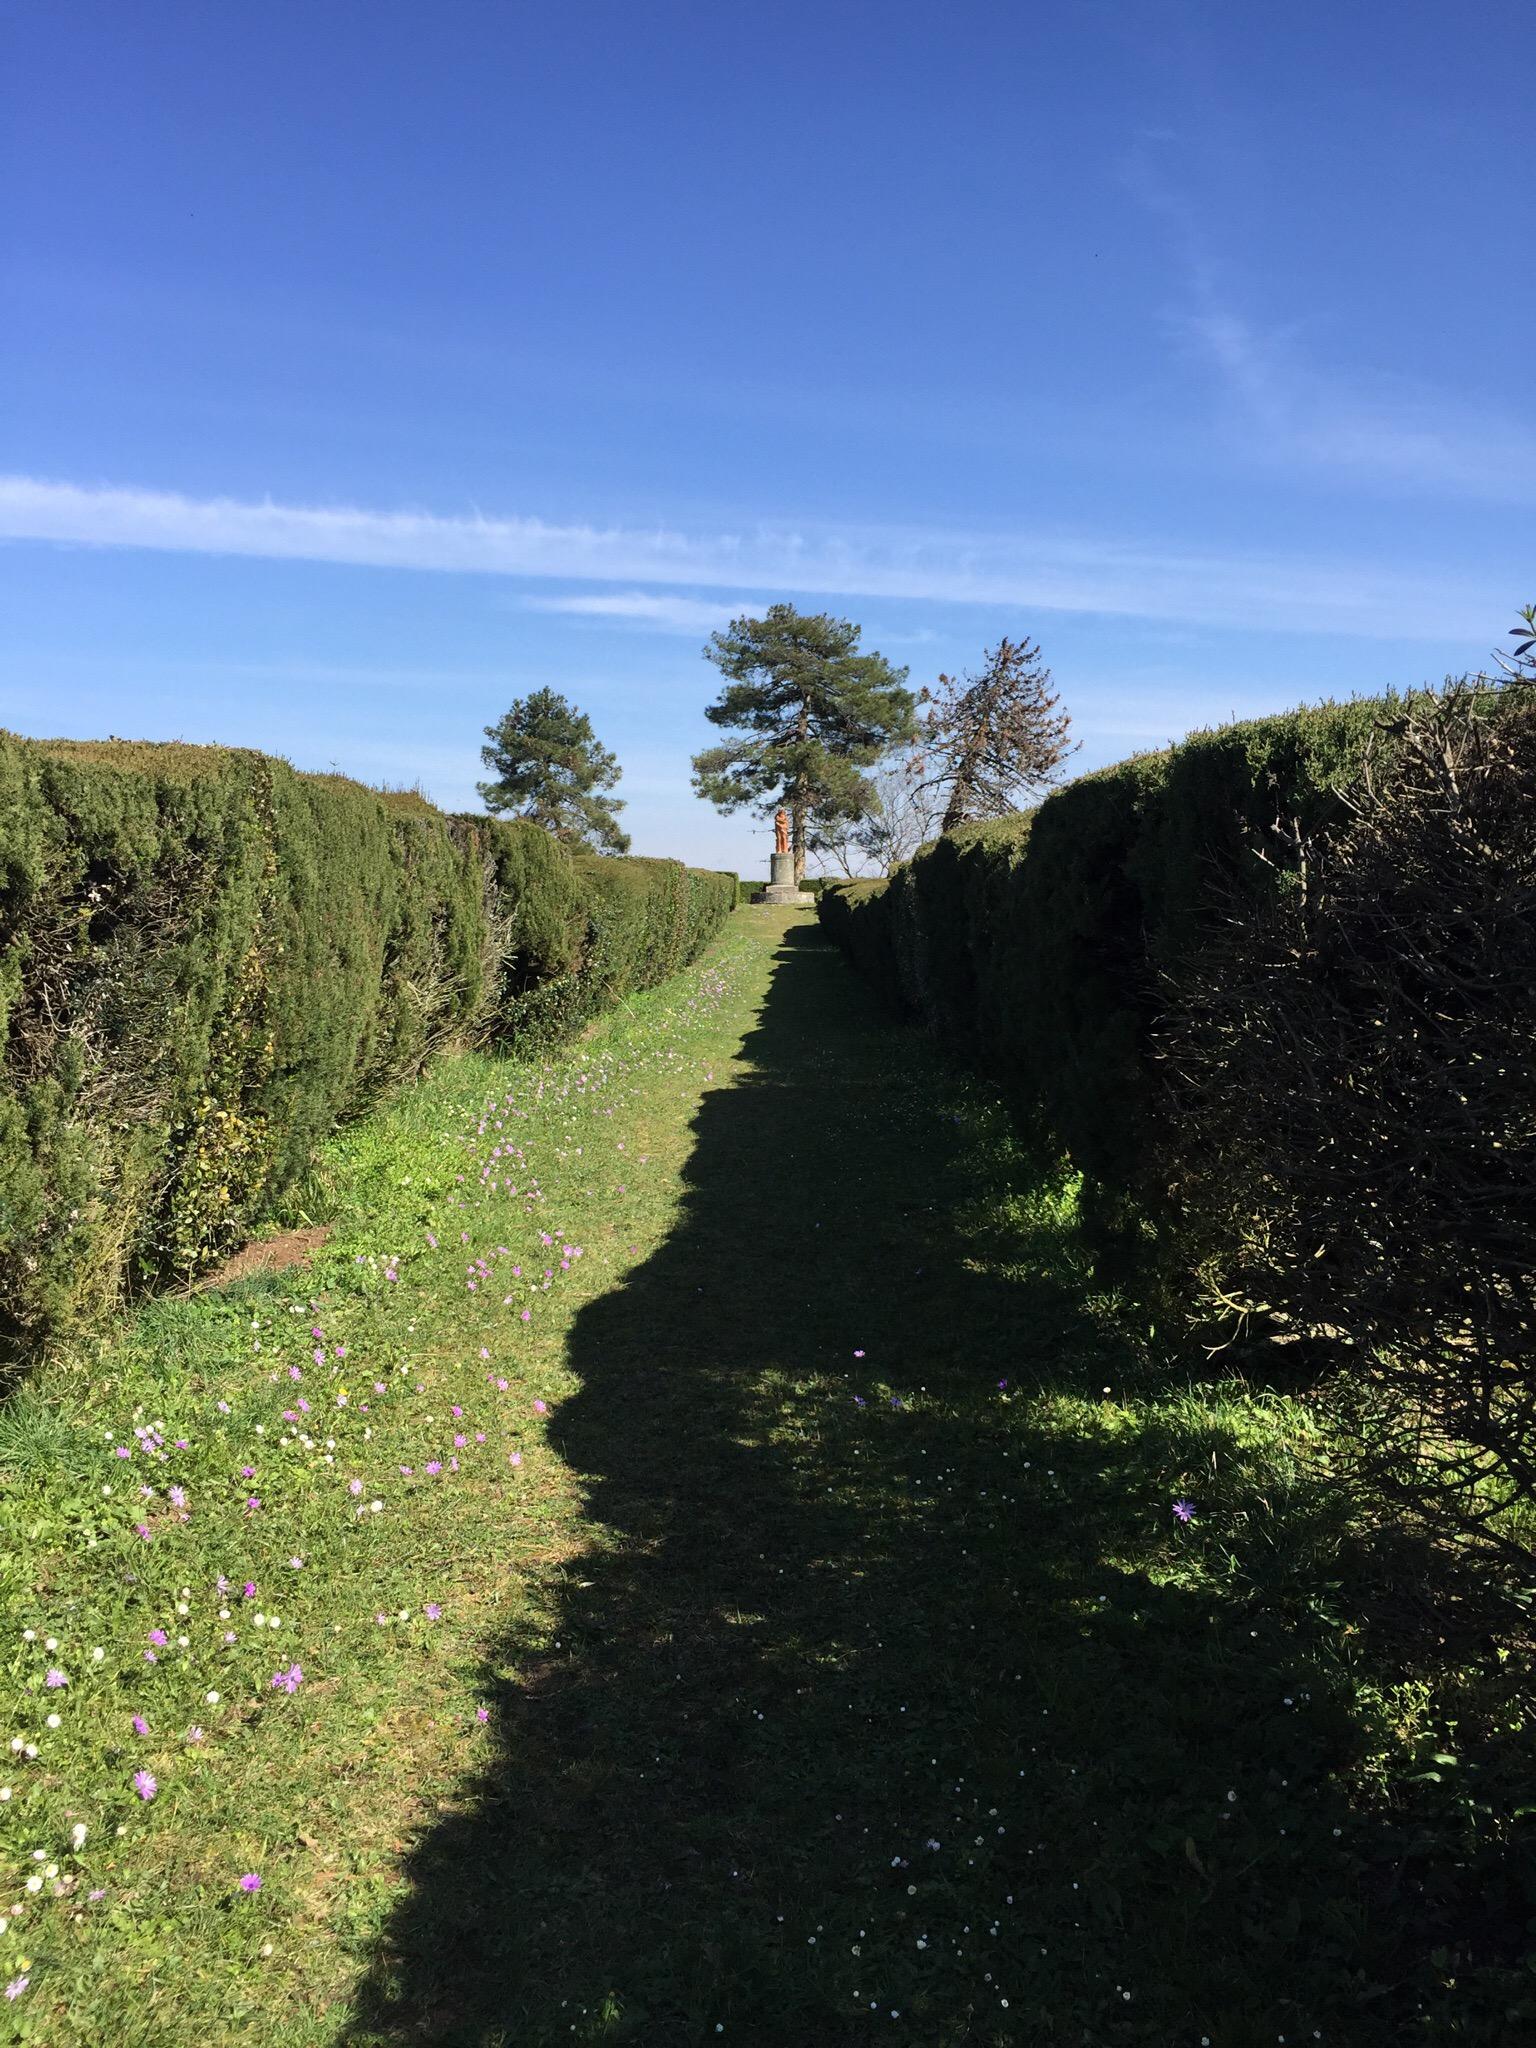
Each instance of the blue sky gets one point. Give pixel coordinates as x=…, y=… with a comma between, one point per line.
x=364, y=368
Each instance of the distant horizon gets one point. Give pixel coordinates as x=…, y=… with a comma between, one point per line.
x=356, y=384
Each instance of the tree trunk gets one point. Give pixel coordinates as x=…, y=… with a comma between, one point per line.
x=959, y=797
x=797, y=803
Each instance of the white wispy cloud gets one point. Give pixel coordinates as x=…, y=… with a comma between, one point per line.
x=1377, y=426
x=669, y=612
x=1035, y=571
x=1386, y=428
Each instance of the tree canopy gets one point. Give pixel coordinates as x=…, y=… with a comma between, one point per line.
x=551, y=769
x=990, y=740
x=808, y=712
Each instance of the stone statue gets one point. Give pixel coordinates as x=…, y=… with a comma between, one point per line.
x=782, y=886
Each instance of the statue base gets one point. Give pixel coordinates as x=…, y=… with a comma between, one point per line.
x=782, y=886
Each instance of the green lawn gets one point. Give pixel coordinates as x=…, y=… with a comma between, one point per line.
x=774, y=1625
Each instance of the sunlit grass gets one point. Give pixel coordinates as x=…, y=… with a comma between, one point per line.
x=845, y=1672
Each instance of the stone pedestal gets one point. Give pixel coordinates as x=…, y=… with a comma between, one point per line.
x=781, y=882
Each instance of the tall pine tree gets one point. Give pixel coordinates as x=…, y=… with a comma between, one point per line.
x=552, y=769
x=808, y=713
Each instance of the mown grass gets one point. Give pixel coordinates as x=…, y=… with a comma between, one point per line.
x=845, y=1673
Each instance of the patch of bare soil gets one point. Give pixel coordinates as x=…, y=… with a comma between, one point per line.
x=269, y=1255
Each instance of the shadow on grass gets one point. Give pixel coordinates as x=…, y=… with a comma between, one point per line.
x=862, y=1710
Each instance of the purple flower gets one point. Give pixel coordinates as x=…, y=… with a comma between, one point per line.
x=249, y=1589
x=16, y=1986
x=158, y=1637
x=140, y=1725
x=55, y=1679
x=251, y=1882
x=177, y=1496
x=482, y=1713
x=540, y=1408
x=144, y=1784
x=288, y=1681
x=1184, y=1510
x=432, y=1610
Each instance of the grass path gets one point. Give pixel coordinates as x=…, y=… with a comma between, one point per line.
x=773, y=1625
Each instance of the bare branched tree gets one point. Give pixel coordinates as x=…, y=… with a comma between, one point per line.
x=992, y=740
x=899, y=818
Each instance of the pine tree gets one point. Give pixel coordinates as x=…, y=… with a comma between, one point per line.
x=551, y=770
x=992, y=739
x=808, y=713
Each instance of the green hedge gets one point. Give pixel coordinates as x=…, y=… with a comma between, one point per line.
x=1036, y=946
x=207, y=958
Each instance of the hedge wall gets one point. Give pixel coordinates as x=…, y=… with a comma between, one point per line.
x=1036, y=946
x=206, y=958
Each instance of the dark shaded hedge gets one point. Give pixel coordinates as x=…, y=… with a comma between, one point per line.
x=207, y=958
x=1038, y=946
